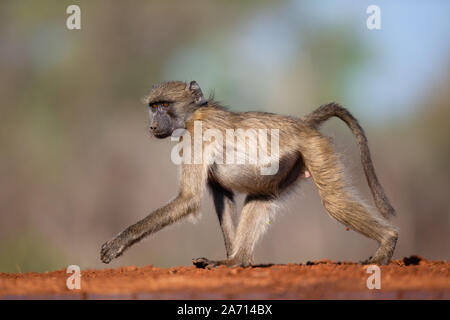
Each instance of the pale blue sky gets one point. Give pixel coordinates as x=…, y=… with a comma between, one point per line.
x=406, y=57
x=410, y=53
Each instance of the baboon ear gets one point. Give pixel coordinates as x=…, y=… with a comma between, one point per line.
x=196, y=92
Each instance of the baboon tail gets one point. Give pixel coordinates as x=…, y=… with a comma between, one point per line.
x=323, y=113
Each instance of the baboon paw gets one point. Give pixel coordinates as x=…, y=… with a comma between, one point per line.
x=111, y=250
x=209, y=264
x=205, y=263
x=381, y=261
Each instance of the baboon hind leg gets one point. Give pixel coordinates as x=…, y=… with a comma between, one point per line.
x=253, y=221
x=342, y=203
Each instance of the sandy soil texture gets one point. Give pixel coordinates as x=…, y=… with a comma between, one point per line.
x=409, y=278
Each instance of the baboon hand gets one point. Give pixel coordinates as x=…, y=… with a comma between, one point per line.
x=113, y=249
x=203, y=263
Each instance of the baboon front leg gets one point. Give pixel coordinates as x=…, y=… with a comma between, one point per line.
x=172, y=212
x=226, y=213
x=187, y=202
x=342, y=203
x=253, y=221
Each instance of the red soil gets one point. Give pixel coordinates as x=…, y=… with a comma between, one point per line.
x=409, y=278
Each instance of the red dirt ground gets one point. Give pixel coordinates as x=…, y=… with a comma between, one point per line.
x=410, y=278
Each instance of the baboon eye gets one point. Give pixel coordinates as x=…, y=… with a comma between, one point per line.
x=159, y=104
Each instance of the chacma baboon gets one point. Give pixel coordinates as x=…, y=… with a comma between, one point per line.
x=302, y=151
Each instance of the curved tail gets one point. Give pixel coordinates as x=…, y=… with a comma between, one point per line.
x=323, y=113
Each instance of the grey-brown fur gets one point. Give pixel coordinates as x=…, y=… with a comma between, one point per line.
x=302, y=148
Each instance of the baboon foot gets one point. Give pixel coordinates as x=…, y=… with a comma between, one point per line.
x=379, y=259
x=209, y=264
x=205, y=263
x=382, y=260
x=384, y=253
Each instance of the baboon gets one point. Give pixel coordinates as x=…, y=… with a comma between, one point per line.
x=303, y=151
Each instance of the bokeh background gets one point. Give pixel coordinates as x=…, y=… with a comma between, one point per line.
x=77, y=165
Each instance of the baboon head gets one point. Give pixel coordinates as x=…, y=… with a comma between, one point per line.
x=171, y=104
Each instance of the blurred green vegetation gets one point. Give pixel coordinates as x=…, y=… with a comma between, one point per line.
x=29, y=251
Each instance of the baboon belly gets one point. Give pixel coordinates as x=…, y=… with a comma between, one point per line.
x=250, y=179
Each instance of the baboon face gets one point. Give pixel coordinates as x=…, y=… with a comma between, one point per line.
x=171, y=103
